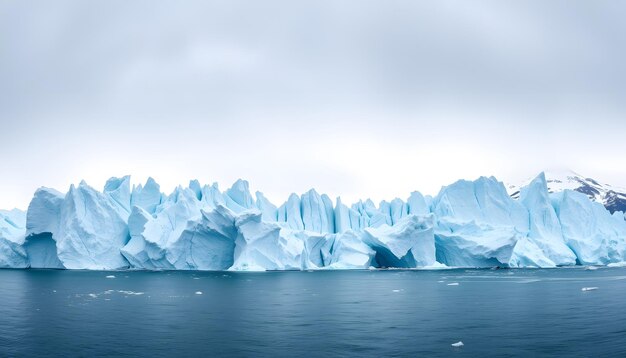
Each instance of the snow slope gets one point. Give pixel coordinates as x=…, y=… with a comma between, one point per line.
x=613, y=198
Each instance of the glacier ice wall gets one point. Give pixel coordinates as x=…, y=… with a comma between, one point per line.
x=12, y=254
x=544, y=245
x=200, y=227
x=478, y=224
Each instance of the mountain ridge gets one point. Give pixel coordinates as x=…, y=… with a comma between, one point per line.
x=613, y=198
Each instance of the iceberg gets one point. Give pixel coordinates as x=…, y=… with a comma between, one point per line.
x=350, y=252
x=410, y=243
x=594, y=235
x=42, y=221
x=153, y=237
x=545, y=245
x=87, y=227
x=42, y=251
x=259, y=246
x=147, y=197
x=317, y=212
x=478, y=224
x=12, y=225
x=207, y=243
x=199, y=227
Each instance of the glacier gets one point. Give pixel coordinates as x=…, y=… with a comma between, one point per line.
x=12, y=227
x=200, y=227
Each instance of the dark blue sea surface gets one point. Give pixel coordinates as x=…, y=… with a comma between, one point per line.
x=540, y=312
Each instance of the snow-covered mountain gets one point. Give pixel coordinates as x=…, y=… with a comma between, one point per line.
x=613, y=198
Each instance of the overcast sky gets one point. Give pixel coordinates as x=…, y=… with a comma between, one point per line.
x=355, y=98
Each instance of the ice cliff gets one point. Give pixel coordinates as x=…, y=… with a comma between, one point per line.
x=199, y=227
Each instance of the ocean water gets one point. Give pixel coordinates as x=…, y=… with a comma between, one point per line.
x=308, y=314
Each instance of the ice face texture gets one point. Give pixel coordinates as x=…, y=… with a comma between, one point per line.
x=92, y=228
x=410, y=243
x=544, y=246
x=594, y=235
x=12, y=224
x=478, y=224
x=199, y=227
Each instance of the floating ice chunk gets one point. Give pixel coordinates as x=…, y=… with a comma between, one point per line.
x=198, y=292
x=457, y=344
x=453, y=284
x=584, y=289
x=110, y=276
x=436, y=266
x=617, y=264
x=92, y=295
x=130, y=293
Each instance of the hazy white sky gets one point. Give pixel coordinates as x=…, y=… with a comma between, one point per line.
x=355, y=98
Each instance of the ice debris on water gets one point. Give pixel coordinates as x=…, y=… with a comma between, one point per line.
x=130, y=293
x=110, y=276
x=457, y=344
x=617, y=264
x=453, y=284
x=198, y=292
x=589, y=289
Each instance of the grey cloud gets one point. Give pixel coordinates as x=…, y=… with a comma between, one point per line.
x=154, y=77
